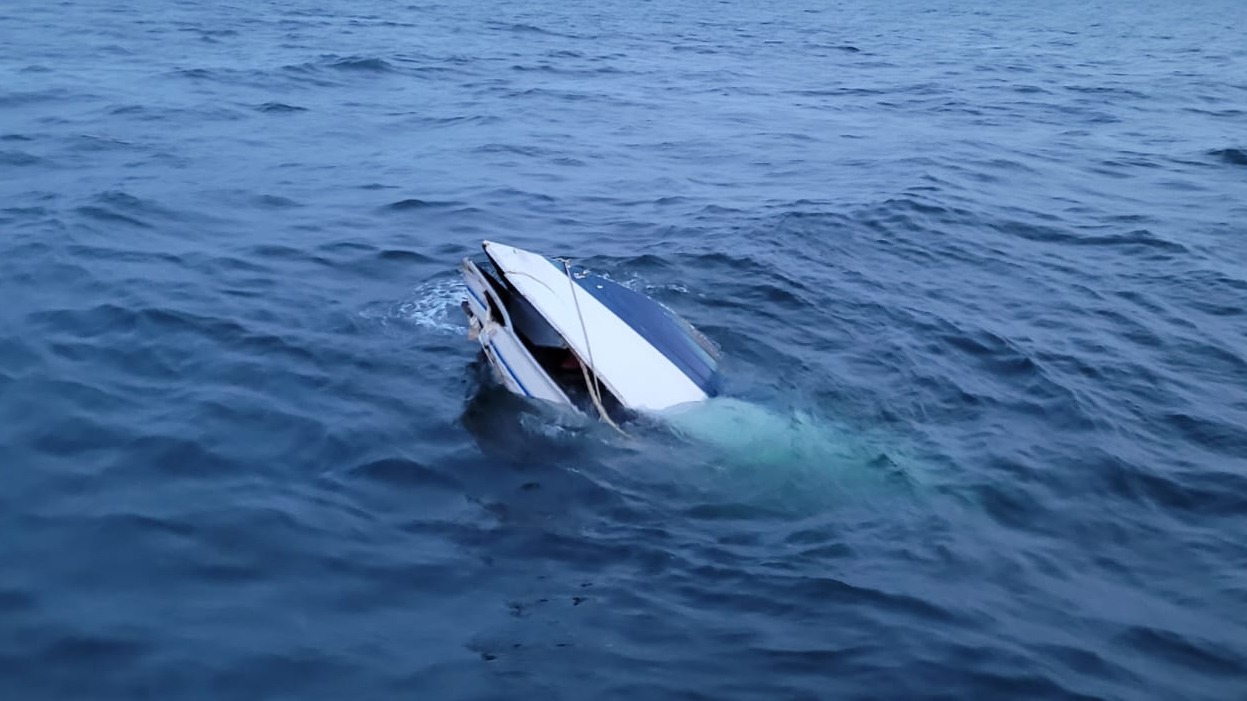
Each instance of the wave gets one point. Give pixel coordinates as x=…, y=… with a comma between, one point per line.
x=357, y=63
x=1137, y=238
x=19, y=158
x=432, y=306
x=279, y=108
x=530, y=29
x=1233, y=156
x=413, y=203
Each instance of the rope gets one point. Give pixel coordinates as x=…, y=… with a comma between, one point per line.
x=595, y=389
x=534, y=278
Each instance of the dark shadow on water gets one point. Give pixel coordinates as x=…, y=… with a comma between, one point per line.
x=521, y=431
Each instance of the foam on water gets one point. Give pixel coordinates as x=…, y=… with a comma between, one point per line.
x=432, y=305
x=794, y=451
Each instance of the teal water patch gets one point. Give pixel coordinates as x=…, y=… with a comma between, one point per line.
x=791, y=456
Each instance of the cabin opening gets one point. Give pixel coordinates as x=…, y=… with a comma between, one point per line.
x=551, y=351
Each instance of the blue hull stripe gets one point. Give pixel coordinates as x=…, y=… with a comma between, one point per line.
x=478, y=299
x=510, y=372
x=498, y=355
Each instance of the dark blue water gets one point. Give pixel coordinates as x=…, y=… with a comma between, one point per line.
x=979, y=267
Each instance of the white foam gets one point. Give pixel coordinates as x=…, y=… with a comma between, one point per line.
x=636, y=283
x=432, y=305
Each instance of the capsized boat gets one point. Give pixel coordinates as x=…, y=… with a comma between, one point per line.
x=558, y=333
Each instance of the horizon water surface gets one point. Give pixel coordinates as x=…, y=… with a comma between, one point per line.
x=976, y=268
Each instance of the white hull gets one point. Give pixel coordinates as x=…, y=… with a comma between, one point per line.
x=544, y=329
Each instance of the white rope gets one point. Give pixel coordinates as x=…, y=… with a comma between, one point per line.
x=595, y=389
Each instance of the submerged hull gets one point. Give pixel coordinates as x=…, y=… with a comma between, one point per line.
x=542, y=324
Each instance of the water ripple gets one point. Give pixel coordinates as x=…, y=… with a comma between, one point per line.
x=974, y=272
